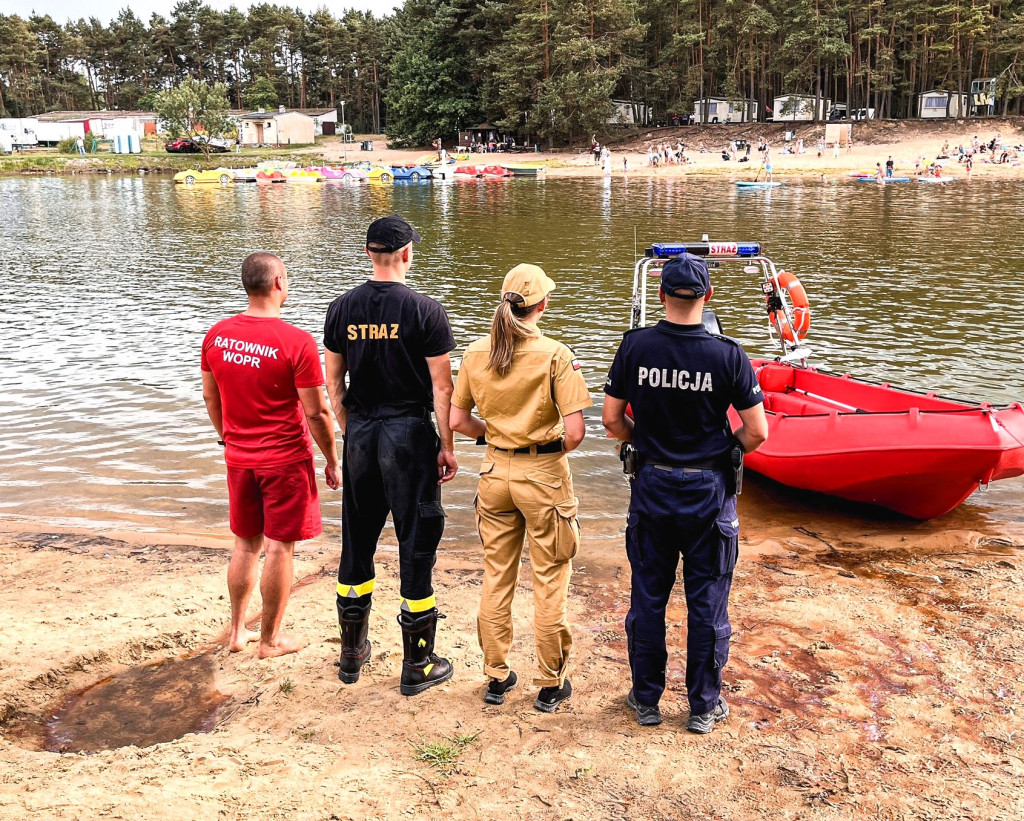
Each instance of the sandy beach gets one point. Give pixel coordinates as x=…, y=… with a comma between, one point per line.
x=875, y=673
x=906, y=141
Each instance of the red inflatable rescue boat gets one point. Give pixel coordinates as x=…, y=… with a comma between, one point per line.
x=916, y=453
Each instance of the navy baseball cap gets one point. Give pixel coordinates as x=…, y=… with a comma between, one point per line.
x=388, y=234
x=685, y=272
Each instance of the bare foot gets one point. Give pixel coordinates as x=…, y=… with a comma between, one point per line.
x=284, y=643
x=237, y=643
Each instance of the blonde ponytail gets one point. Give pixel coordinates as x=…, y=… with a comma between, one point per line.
x=507, y=331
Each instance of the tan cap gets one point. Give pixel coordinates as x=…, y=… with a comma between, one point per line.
x=528, y=281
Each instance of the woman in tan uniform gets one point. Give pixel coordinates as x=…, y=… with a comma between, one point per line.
x=530, y=397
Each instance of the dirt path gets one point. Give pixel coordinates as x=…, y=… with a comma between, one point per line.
x=873, y=675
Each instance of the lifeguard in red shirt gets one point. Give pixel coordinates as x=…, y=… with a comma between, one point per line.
x=263, y=386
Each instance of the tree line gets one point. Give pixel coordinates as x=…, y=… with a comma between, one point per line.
x=537, y=69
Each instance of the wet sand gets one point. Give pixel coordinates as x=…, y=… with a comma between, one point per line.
x=875, y=672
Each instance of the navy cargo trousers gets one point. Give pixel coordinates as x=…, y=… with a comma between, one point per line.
x=680, y=512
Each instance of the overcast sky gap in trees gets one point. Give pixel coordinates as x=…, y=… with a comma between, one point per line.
x=63, y=10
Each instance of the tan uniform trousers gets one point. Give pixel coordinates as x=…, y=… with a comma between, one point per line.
x=526, y=497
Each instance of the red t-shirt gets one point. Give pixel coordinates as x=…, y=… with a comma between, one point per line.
x=259, y=363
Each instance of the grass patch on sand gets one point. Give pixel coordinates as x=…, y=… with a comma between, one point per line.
x=443, y=755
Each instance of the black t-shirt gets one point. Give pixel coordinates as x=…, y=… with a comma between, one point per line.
x=680, y=380
x=386, y=331
x=889, y=164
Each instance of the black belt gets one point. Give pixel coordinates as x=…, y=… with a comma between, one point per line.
x=689, y=467
x=547, y=447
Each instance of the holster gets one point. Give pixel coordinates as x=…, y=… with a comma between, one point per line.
x=734, y=473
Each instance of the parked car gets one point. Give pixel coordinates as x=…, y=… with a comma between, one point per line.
x=182, y=145
x=186, y=145
x=863, y=114
x=192, y=177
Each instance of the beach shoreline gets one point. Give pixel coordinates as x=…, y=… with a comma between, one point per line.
x=907, y=141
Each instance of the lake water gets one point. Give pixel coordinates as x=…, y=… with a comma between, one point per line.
x=113, y=281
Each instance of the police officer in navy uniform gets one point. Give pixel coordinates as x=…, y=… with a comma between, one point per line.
x=680, y=380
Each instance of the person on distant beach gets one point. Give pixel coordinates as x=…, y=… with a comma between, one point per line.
x=889, y=166
x=835, y=150
x=530, y=394
x=821, y=146
x=394, y=345
x=263, y=387
x=879, y=175
x=680, y=381
x=969, y=162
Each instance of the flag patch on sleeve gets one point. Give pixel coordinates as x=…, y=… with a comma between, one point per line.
x=575, y=364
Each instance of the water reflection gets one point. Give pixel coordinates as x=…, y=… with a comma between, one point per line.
x=117, y=279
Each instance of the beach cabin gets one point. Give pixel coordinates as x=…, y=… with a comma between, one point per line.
x=279, y=127
x=723, y=110
x=105, y=123
x=325, y=120
x=932, y=104
x=799, y=108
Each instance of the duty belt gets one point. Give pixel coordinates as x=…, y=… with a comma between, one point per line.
x=547, y=447
x=689, y=467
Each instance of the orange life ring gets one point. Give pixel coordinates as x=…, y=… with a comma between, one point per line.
x=801, y=309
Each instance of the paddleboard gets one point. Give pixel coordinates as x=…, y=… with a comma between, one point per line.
x=742, y=184
x=884, y=179
x=934, y=179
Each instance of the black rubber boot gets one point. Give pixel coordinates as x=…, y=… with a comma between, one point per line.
x=421, y=668
x=355, y=649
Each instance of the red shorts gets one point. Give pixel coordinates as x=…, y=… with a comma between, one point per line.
x=280, y=502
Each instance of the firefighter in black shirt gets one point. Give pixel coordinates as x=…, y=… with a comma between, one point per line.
x=680, y=381
x=394, y=345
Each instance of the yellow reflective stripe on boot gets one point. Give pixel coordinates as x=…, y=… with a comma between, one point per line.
x=419, y=605
x=354, y=591
x=427, y=669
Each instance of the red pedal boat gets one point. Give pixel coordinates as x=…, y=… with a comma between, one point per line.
x=916, y=453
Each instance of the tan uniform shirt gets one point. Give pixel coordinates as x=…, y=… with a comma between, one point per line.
x=526, y=406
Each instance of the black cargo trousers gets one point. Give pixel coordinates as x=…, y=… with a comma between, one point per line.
x=390, y=466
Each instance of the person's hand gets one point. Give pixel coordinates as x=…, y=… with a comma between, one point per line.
x=447, y=466
x=332, y=473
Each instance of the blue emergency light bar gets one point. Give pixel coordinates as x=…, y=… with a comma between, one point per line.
x=663, y=250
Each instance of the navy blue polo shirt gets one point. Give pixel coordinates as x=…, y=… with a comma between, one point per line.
x=680, y=380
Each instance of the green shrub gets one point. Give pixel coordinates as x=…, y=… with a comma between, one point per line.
x=68, y=145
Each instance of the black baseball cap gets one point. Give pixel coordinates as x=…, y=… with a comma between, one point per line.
x=389, y=234
x=686, y=272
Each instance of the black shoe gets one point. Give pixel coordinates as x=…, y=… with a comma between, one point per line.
x=705, y=722
x=355, y=649
x=421, y=667
x=549, y=698
x=645, y=716
x=496, y=689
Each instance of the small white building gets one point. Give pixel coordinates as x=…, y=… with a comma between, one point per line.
x=724, y=110
x=279, y=127
x=932, y=104
x=325, y=120
x=799, y=107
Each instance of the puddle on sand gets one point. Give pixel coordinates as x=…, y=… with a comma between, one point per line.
x=142, y=706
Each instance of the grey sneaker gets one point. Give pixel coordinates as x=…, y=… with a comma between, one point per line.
x=645, y=716
x=705, y=722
